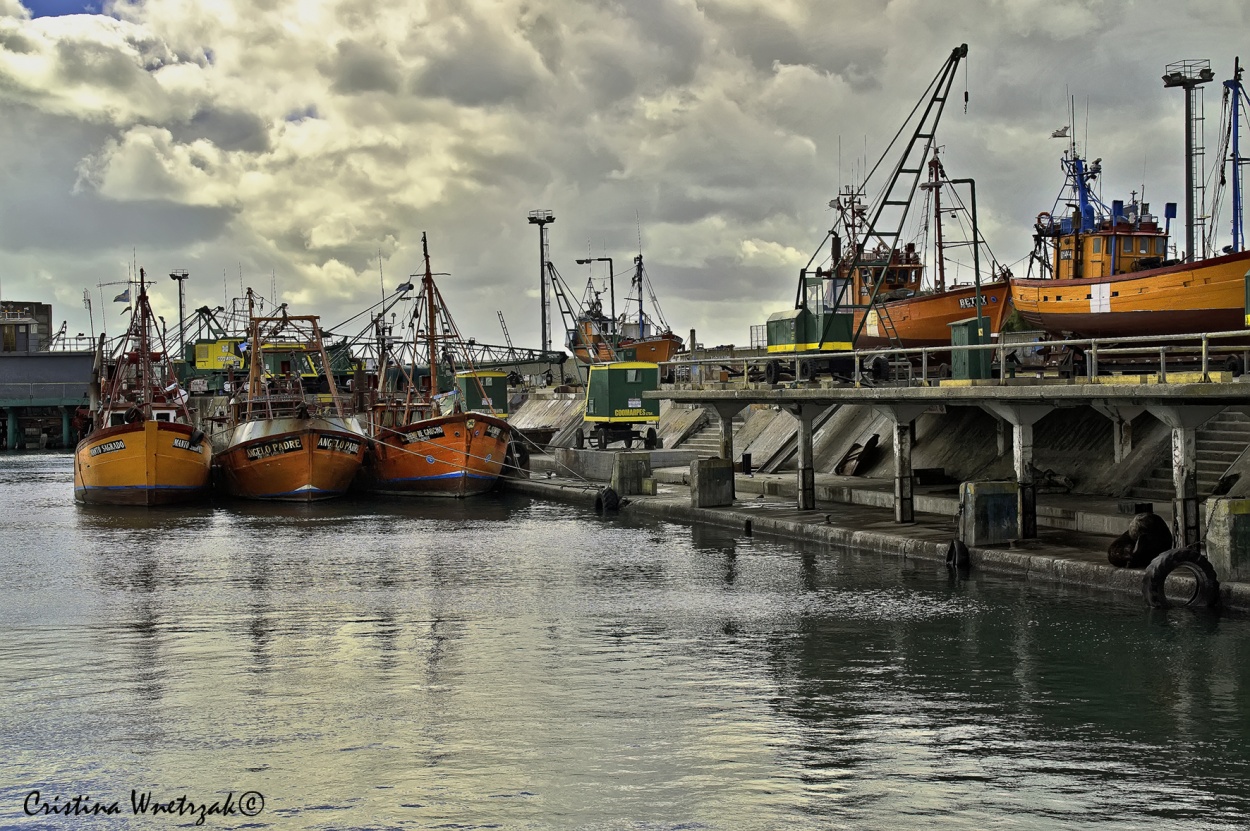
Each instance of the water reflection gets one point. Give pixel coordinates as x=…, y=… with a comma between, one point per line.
x=519, y=664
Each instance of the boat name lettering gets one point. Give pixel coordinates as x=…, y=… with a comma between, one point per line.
x=338, y=443
x=185, y=444
x=108, y=447
x=424, y=434
x=274, y=448
x=493, y=431
x=970, y=302
x=636, y=411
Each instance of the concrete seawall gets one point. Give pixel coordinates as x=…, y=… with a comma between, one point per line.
x=1059, y=556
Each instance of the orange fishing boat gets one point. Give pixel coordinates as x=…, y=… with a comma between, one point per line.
x=291, y=438
x=1106, y=271
x=600, y=338
x=425, y=443
x=905, y=313
x=143, y=449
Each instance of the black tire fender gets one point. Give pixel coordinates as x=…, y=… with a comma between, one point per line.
x=1206, y=589
x=607, y=501
x=957, y=555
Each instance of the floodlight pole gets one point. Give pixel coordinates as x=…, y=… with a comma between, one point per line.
x=180, y=276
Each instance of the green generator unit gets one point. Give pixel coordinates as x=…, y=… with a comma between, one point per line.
x=615, y=405
x=803, y=344
x=484, y=391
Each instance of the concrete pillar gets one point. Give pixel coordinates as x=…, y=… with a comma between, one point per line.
x=806, y=414
x=904, y=498
x=1122, y=426
x=1185, y=483
x=67, y=440
x=1185, y=419
x=1022, y=418
x=726, y=410
x=904, y=417
x=12, y=413
x=1022, y=459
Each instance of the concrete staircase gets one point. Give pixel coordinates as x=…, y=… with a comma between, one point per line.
x=1220, y=441
x=706, y=440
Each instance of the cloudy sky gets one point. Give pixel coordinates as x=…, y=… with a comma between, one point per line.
x=308, y=144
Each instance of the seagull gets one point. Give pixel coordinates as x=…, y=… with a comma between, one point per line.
x=1062, y=132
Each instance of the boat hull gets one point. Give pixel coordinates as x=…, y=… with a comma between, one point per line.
x=292, y=459
x=456, y=455
x=145, y=463
x=1188, y=298
x=924, y=320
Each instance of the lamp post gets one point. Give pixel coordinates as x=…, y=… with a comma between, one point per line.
x=611, y=288
x=976, y=253
x=180, y=277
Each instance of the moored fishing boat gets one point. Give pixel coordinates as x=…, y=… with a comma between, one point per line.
x=291, y=438
x=143, y=449
x=424, y=443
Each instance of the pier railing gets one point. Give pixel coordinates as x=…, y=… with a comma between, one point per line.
x=1076, y=360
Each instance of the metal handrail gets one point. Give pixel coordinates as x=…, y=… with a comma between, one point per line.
x=1204, y=346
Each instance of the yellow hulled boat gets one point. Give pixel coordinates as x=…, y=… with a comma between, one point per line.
x=142, y=449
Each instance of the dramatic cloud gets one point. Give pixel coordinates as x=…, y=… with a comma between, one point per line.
x=308, y=145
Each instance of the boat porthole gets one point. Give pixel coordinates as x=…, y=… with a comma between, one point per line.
x=457, y=434
x=430, y=459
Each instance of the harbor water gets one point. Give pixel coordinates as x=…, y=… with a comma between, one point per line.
x=508, y=663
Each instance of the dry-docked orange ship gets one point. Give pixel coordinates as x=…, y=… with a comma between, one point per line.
x=143, y=449
x=291, y=438
x=424, y=443
x=1108, y=274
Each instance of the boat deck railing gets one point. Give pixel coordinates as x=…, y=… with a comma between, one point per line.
x=1208, y=357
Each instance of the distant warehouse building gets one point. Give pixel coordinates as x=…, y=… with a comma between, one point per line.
x=44, y=392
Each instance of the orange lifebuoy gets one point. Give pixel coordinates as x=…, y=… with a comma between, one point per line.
x=1043, y=218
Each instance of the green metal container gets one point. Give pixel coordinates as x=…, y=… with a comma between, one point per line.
x=484, y=391
x=614, y=392
x=969, y=364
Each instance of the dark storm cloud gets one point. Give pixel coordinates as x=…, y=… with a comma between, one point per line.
x=767, y=41
x=228, y=129
x=358, y=68
x=478, y=65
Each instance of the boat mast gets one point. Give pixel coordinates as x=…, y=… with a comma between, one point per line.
x=1236, y=92
x=935, y=184
x=145, y=355
x=427, y=286
x=642, y=326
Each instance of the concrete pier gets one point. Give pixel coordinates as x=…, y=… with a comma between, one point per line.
x=1061, y=556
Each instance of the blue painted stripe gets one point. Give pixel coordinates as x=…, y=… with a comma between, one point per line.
x=441, y=476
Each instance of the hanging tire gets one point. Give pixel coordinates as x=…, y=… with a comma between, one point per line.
x=1206, y=588
x=957, y=556
x=601, y=438
x=607, y=501
x=579, y=440
x=649, y=442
